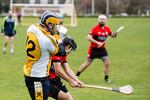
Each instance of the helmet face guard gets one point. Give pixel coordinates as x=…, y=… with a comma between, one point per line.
x=51, y=23
x=52, y=20
x=67, y=41
x=49, y=20
x=61, y=17
x=67, y=45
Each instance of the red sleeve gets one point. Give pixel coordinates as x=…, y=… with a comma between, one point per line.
x=61, y=59
x=109, y=30
x=64, y=59
x=56, y=58
x=92, y=31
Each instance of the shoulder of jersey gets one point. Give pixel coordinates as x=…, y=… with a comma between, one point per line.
x=32, y=28
x=107, y=26
x=96, y=26
x=5, y=17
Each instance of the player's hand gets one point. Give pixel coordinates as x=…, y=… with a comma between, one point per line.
x=100, y=44
x=80, y=84
x=73, y=84
x=114, y=34
x=14, y=32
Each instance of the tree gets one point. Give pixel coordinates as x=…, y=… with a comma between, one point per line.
x=4, y=6
x=138, y=6
x=115, y=6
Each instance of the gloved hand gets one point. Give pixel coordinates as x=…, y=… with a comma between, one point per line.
x=114, y=34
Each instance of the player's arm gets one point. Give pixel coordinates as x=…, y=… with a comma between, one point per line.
x=53, y=45
x=71, y=74
x=112, y=34
x=2, y=31
x=15, y=26
x=60, y=72
x=91, y=39
x=3, y=24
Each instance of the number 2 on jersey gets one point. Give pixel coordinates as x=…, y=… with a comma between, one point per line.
x=32, y=48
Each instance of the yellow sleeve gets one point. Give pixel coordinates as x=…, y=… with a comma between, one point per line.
x=57, y=37
x=54, y=45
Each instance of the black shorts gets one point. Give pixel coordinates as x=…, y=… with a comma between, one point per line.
x=56, y=87
x=38, y=87
x=9, y=34
x=97, y=53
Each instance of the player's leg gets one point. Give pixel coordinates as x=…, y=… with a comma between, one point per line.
x=63, y=88
x=6, y=40
x=88, y=61
x=104, y=56
x=64, y=96
x=84, y=66
x=106, y=68
x=58, y=90
x=69, y=96
x=39, y=89
x=58, y=94
x=11, y=44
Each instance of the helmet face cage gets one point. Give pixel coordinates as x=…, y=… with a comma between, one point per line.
x=49, y=20
x=52, y=20
x=67, y=41
x=61, y=17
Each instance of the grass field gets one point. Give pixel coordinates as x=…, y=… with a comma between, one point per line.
x=129, y=54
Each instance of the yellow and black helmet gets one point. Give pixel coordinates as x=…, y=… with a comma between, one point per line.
x=49, y=17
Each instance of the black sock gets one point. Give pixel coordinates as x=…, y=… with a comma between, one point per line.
x=106, y=77
x=78, y=73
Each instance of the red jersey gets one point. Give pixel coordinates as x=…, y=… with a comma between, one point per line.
x=61, y=59
x=99, y=34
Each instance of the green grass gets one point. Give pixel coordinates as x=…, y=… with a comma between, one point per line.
x=129, y=54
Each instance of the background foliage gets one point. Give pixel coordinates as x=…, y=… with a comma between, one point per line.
x=131, y=7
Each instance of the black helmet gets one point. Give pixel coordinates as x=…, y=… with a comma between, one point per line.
x=69, y=41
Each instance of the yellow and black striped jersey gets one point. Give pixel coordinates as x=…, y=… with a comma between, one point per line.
x=40, y=46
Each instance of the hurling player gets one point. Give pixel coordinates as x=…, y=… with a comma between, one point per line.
x=61, y=69
x=97, y=37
